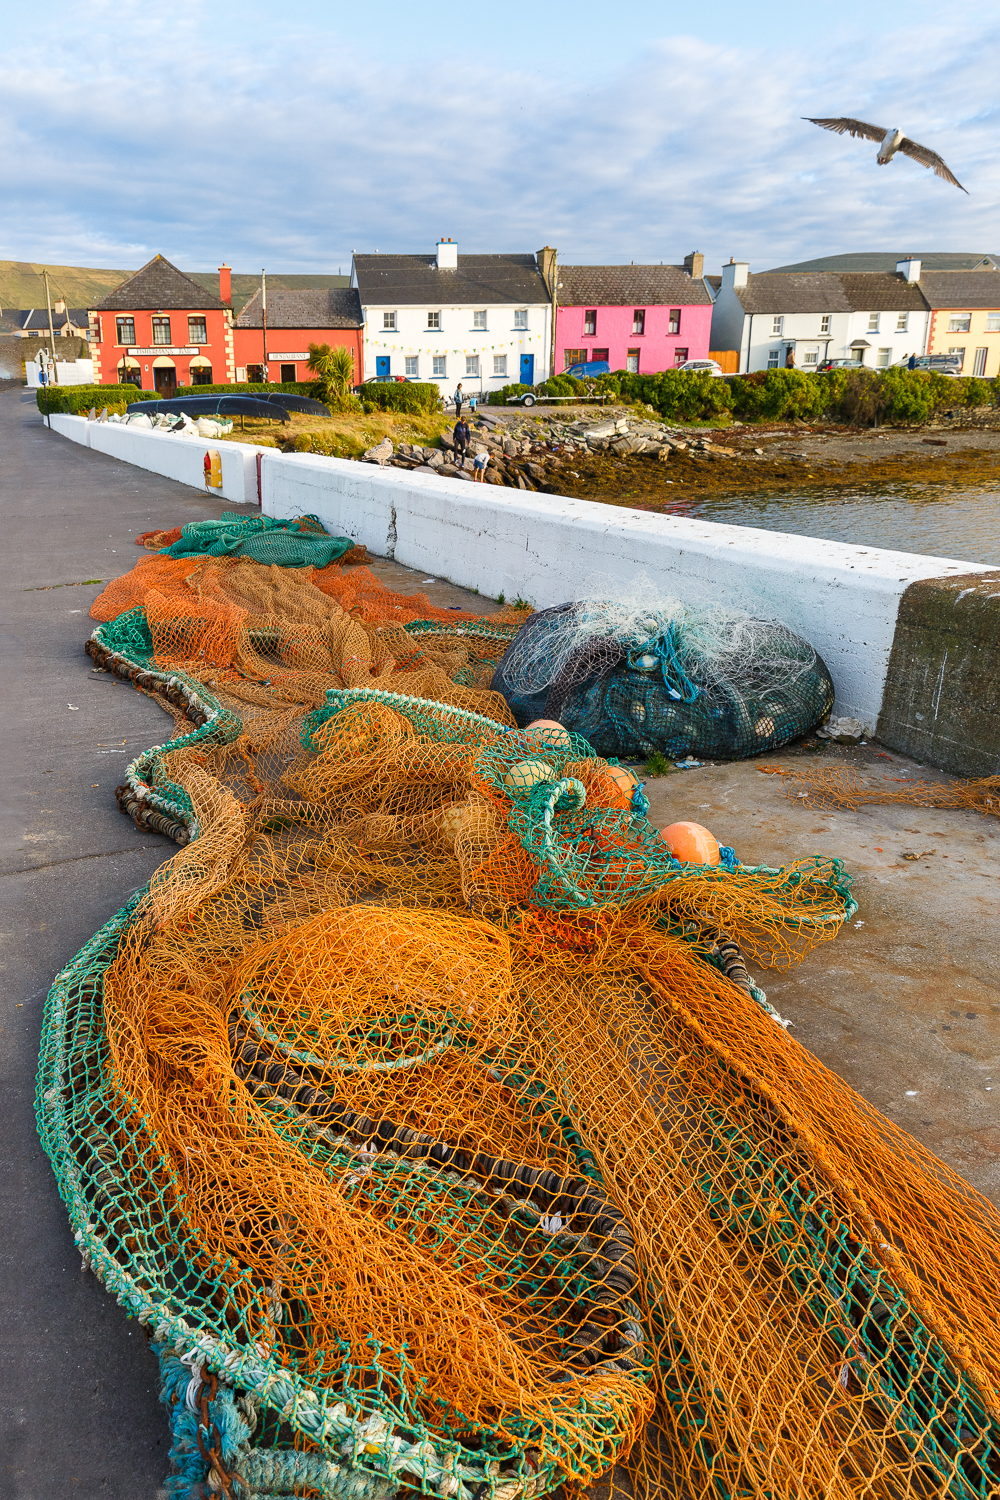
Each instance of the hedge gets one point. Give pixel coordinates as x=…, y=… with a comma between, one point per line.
x=77, y=398
x=397, y=395
x=508, y=393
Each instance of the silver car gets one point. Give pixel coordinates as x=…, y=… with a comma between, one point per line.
x=701, y=367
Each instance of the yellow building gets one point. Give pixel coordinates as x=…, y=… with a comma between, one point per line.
x=965, y=317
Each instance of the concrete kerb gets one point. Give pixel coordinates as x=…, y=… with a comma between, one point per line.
x=845, y=600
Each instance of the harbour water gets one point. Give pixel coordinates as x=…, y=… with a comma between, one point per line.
x=926, y=519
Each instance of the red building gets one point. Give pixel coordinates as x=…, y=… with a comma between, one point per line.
x=161, y=330
x=295, y=319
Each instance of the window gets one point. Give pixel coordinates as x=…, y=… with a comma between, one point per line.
x=773, y=356
x=873, y=322
x=433, y=320
x=992, y=323
x=883, y=358
x=520, y=317
x=902, y=322
x=202, y=375
x=472, y=364
x=287, y=374
x=639, y=320
x=632, y=361
x=680, y=356
x=590, y=323
x=256, y=374
x=959, y=322
x=810, y=357
x=439, y=366
x=412, y=365
x=960, y=353
x=777, y=324
x=979, y=363
x=197, y=331
x=600, y=354
x=479, y=319
x=824, y=323
x=500, y=365
x=674, y=321
x=574, y=357
x=389, y=321
x=126, y=330
x=161, y=330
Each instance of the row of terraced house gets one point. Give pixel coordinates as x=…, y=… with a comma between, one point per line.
x=491, y=320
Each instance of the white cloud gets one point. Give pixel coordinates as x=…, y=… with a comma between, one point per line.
x=291, y=152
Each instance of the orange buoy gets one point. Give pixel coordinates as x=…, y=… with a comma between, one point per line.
x=691, y=843
x=607, y=786
x=550, y=732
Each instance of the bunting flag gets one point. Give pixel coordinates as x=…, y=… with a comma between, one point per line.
x=529, y=338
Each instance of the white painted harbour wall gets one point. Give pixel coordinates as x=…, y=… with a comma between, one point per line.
x=547, y=548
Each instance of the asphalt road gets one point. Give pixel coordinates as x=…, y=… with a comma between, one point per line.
x=78, y=1408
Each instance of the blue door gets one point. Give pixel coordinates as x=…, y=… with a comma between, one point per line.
x=527, y=369
x=381, y=367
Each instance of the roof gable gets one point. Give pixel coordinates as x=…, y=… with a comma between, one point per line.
x=321, y=307
x=159, y=284
x=629, y=286
x=479, y=281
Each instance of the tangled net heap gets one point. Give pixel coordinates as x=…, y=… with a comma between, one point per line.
x=427, y=1120
x=649, y=674
x=845, y=787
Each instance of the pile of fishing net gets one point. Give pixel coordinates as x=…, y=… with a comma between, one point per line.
x=423, y=1112
x=649, y=674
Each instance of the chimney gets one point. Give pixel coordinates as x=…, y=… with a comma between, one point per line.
x=545, y=259
x=59, y=306
x=226, y=285
x=909, y=267
x=447, y=255
x=735, y=274
x=694, y=265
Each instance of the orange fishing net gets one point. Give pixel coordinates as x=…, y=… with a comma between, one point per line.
x=848, y=787
x=434, y=1083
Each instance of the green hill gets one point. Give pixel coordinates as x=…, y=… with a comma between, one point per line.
x=21, y=283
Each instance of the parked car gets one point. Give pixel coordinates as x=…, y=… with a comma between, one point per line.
x=701, y=367
x=941, y=364
x=839, y=364
x=589, y=369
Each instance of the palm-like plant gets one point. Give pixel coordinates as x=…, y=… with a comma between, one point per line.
x=334, y=371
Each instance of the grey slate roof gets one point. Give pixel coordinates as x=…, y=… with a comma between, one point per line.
x=326, y=307
x=479, y=281
x=878, y=260
x=961, y=289
x=158, y=284
x=629, y=286
x=36, y=319
x=824, y=292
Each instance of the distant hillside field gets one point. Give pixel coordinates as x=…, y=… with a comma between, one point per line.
x=21, y=283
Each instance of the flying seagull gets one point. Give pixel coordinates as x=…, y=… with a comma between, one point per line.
x=890, y=141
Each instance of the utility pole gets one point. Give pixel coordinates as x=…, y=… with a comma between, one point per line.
x=555, y=303
x=48, y=304
x=263, y=316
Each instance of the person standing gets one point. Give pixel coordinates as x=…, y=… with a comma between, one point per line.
x=790, y=359
x=462, y=436
x=911, y=363
x=459, y=398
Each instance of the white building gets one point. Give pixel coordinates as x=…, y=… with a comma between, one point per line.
x=484, y=320
x=876, y=318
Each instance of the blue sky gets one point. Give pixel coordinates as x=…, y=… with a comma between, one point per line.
x=289, y=136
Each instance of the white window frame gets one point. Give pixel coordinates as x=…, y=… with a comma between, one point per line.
x=388, y=322
x=471, y=365
x=883, y=359
x=872, y=323
x=439, y=366
x=824, y=323
x=979, y=359
x=993, y=322
x=810, y=357
x=777, y=326
x=499, y=367
x=479, y=320
x=902, y=322
x=411, y=365
x=434, y=321
x=960, y=323
x=632, y=363
x=520, y=317
x=773, y=358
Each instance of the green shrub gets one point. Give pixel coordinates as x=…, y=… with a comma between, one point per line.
x=775, y=395
x=678, y=395
x=397, y=395
x=74, y=399
x=975, y=392
x=507, y=393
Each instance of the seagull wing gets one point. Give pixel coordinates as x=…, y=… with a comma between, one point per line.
x=850, y=127
x=928, y=158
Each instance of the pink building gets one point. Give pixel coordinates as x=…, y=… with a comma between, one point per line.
x=639, y=318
